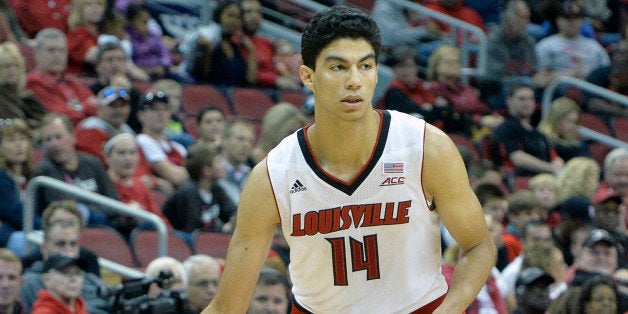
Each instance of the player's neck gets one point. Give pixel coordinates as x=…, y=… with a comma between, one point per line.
x=342, y=150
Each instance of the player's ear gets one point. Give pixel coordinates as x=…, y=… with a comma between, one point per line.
x=306, y=73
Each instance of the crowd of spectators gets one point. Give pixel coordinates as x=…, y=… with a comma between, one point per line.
x=91, y=94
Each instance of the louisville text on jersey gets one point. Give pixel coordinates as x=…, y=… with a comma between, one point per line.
x=341, y=218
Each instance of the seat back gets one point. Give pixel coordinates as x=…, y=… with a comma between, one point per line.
x=213, y=244
x=197, y=96
x=108, y=243
x=250, y=103
x=145, y=243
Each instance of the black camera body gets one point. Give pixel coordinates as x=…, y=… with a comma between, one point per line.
x=132, y=297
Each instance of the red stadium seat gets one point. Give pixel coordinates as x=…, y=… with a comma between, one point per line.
x=197, y=96
x=108, y=244
x=211, y=243
x=145, y=245
x=250, y=103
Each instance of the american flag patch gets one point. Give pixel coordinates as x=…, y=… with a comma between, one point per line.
x=393, y=167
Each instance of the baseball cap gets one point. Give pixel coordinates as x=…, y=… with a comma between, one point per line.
x=578, y=207
x=598, y=235
x=112, y=93
x=534, y=275
x=570, y=9
x=59, y=262
x=151, y=98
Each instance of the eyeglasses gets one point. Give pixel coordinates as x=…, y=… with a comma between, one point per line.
x=113, y=91
x=157, y=96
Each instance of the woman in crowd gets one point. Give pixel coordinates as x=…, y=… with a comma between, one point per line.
x=15, y=100
x=579, y=177
x=122, y=156
x=15, y=170
x=279, y=121
x=85, y=17
x=444, y=70
x=232, y=62
x=560, y=125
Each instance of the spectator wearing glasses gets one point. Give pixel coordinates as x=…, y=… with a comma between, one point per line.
x=114, y=106
x=63, y=281
x=164, y=156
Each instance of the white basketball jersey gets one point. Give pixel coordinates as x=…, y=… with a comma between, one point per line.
x=368, y=246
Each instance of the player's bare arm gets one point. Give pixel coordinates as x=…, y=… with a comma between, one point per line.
x=257, y=219
x=446, y=183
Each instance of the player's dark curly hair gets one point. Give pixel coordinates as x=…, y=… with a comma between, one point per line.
x=336, y=23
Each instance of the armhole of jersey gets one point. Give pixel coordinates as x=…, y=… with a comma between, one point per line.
x=270, y=182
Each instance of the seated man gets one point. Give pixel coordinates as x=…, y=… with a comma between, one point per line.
x=532, y=290
x=200, y=203
x=518, y=145
x=63, y=281
x=164, y=156
x=203, y=273
x=64, y=163
x=57, y=91
x=10, y=282
x=114, y=106
x=66, y=213
x=62, y=238
x=598, y=256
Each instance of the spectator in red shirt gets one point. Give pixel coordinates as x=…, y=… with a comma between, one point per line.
x=83, y=35
x=267, y=74
x=455, y=8
x=35, y=15
x=113, y=110
x=57, y=91
x=123, y=157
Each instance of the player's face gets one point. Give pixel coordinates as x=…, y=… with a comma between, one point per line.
x=344, y=80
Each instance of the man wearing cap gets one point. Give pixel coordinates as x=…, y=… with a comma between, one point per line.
x=114, y=106
x=164, y=156
x=62, y=239
x=532, y=291
x=63, y=281
x=599, y=255
x=567, y=52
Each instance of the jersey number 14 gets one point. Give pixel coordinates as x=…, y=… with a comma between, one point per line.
x=364, y=256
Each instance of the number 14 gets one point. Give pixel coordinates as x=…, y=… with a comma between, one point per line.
x=364, y=256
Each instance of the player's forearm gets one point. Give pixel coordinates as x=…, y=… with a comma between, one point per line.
x=471, y=273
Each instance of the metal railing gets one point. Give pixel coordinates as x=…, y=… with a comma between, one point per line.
x=46, y=182
x=553, y=87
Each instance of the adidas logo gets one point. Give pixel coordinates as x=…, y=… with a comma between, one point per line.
x=297, y=187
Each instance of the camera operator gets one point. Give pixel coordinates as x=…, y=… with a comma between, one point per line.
x=178, y=282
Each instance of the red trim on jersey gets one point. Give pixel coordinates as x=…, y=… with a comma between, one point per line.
x=426, y=309
x=430, y=205
x=366, y=165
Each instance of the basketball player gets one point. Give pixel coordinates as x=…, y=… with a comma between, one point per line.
x=359, y=196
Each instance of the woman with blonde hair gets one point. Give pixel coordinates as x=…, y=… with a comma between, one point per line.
x=15, y=170
x=279, y=121
x=560, y=125
x=444, y=70
x=85, y=17
x=579, y=177
x=15, y=100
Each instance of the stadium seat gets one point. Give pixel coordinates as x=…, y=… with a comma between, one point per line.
x=250, y=103
x=197, y=96
x=145, y=245
x=295, y=98
x=109, y=244
x=621, y=128
x=211, y=243
x=594, y=123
